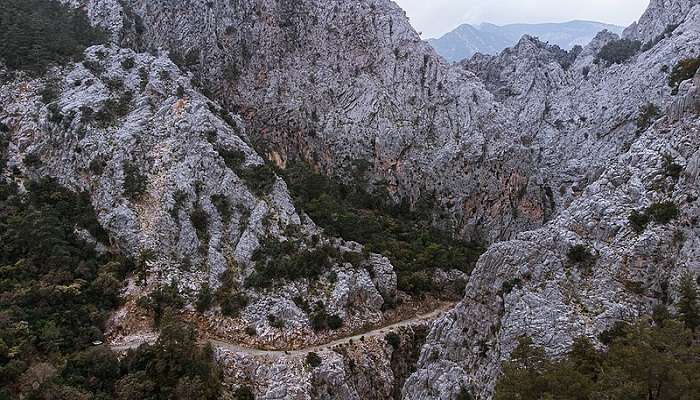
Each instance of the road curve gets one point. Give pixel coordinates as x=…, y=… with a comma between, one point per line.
x=236, y=348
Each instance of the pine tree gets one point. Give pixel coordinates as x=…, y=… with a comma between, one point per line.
x=688, y=307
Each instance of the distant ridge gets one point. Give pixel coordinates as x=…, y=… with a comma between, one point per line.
x=486, y=38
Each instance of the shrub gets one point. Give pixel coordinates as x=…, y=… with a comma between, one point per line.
x=233, y=159
x=511, y=284
x=200, y=222
x=663, y=213
x=640, y=359
x=223, y=207
x=112, y=110
x=580, y=254
x=275, y=322
x=135, y=183
x=285, y=261
x=128, y=63
x=335, y=322
x=647, y=115
x=618, y=51
x=259, y=179
x=638, y=221
x=204, y=298
x=38, y=33
x=313, y=360
x=393, y=340
x=688, y=306
x=465, y=394
x=161, y=299
x=232, y=304
x=97, y=166
x=407, y=237
x=672, y=169
x=685, y=69
x=243, y=393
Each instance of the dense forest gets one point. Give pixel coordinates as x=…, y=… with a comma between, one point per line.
x=406, y=235
x=56, y=291
x=39, y=33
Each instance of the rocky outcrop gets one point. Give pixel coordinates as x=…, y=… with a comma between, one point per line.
x=529, y=286
x=368, y=368
x=311, y=87
x=154, y=156
x=660, y=17
x=536, y=148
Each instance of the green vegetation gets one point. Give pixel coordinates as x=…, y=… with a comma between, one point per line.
x=161, y=300
x=618, y=51
x=406, y=236
x=229, y=295
x=509, y=285
x=464, y=394
x=319, y=317
x=135, y=183
x=223, y=206
x=644, y=361
x=661, y=213
x=55, y=294
x=113, y=109
x=580, y=254
x=648, y=114
x=672, y=169
x=243, y=393
x=313, y=360
x=205, y=297
x=200, y=222
x=276, y=261
x=259, y=179
x=38, y=33
x=684, y=70
x=393, y=339
x=688, y=307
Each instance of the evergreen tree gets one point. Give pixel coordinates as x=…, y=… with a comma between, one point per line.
x=688, y=307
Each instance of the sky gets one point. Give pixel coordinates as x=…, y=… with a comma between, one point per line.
x=436, y=17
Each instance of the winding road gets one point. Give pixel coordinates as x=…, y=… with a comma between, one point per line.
x=236, y=348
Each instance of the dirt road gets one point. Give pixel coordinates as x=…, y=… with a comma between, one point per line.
x=302, y=352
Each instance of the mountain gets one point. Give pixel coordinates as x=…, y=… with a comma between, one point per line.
x=467, y=40
x=334, y=208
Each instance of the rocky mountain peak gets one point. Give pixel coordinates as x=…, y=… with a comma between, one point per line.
x=660, y=17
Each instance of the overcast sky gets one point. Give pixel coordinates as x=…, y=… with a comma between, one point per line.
x=436, y=17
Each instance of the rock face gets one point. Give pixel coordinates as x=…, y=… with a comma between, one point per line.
x=534, y=150
x=332, y=82
x=660, y=16
x=130, y=129
x=528, y=286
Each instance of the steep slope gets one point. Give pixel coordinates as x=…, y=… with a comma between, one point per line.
x=332, y=82
x=529, y=286
x=177, y=187
x=467, y=40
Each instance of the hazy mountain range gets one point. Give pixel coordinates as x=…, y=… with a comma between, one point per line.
x=466, y=40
